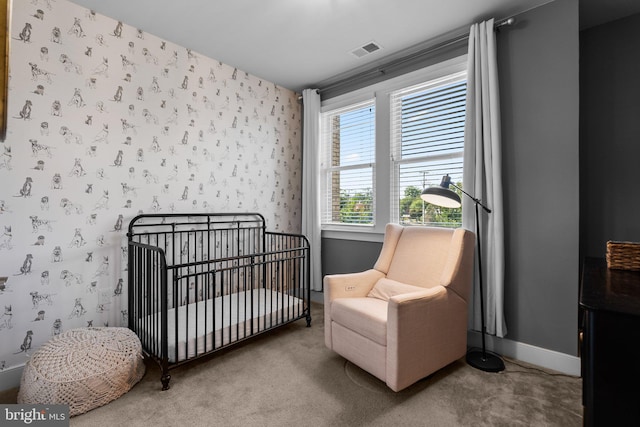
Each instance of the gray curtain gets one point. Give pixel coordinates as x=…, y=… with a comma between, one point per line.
x=310, y=182
x=483, y=173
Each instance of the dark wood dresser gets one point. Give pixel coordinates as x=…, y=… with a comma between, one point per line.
x=610, y=301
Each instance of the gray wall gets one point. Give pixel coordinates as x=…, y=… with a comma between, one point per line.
x=609, y=134
x=539, y=75
x=538, y=66
x=348, y=256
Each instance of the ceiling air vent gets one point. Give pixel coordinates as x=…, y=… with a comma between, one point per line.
x=366, y=49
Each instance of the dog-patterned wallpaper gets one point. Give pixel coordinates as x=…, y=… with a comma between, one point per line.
x=105, y=122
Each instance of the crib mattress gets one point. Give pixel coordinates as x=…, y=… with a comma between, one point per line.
x=210, y=324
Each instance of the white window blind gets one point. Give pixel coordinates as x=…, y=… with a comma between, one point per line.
x=427, y=140
x=347, y=165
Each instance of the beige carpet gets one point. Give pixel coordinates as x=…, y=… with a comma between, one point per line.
x=289, y=378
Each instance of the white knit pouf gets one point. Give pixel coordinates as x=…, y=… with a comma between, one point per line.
x=84, y=368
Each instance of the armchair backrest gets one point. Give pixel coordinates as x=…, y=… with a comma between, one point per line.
x=428, y=257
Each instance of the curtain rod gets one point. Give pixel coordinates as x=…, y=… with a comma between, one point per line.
x=394, y=63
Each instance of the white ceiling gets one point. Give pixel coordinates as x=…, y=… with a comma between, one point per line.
x=301, y=43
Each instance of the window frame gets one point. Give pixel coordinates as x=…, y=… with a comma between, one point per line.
x=396, y=145
x=327, y=169
x=381, y=94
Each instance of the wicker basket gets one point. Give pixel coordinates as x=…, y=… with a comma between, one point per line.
x=623, y=255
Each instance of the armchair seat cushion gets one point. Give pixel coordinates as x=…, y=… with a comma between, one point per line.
x=365, y=316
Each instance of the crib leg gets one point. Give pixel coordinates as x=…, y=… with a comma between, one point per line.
x=165, y=381
x=308, y=320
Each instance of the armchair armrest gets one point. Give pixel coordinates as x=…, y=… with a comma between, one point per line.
x=425, y=331
x=350, y=285
x=418, y=297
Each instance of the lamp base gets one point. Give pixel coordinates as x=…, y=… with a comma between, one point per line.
x=485, y=361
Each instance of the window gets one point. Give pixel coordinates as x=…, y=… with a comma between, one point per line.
x=348, y=161
x=427, y=140
x=382, y=144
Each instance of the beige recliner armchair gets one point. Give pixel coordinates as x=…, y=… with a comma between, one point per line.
x=407, y=317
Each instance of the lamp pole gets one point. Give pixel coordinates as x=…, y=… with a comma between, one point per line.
x=424, y=184
x=481, y=360
x=442, y=195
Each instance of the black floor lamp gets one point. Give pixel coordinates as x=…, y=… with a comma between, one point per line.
x=442, y=195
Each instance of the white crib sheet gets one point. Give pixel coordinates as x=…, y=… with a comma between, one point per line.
x=234, y=316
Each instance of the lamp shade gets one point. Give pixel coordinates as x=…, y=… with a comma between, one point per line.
x=442, y=195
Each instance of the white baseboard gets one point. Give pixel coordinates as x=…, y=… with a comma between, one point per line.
x=542, y=357
x=10, y=378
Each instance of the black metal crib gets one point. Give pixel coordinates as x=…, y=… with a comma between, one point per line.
x=199, y=283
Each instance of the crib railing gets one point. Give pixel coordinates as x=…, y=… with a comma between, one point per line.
x=147, y=290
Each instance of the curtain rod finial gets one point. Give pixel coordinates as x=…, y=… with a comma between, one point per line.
x=507, y=22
